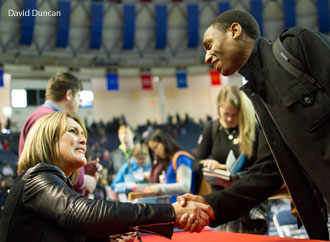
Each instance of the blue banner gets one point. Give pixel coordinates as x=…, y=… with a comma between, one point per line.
x=129, y=27
x=28, y=19
x=161, y=26
x=96, y=25
x=323, y=12
x=256, y=11
x=223, y=7
x=181, y=78
x=63, y=23
x=1, y=78
x=193, y=25
x=112, y=81
x=289, y=13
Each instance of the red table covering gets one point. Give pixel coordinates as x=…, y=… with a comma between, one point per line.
x=216, y=236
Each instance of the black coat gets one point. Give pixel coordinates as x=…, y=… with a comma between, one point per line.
x=42, y=206
x=297, y=132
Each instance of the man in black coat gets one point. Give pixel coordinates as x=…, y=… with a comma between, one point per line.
x=294, y=115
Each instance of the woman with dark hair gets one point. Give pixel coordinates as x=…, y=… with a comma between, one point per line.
x=167, y=155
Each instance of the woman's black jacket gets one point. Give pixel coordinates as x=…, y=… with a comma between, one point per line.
x=42, y=206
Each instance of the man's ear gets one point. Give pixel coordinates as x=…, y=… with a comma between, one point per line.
x=69, y=95
x=236, y=30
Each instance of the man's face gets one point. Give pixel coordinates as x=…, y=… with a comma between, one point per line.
x=126, y=137
x=223, y=51
x=74, y=103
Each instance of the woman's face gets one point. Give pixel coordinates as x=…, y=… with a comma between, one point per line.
x=72, y=148
x=228, y=116
x=157, y=148
x=141, y=159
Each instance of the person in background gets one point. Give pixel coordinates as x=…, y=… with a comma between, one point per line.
x=293, y=114
x=167, y=154
x=42, y=205
x=62, y=94
x=133, y=171
x=235, y=132
x=124, y=151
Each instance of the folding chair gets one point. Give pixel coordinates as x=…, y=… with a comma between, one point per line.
x=286, y=224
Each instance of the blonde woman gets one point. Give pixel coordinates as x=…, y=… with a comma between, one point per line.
x=43, y=207
x=235, y=132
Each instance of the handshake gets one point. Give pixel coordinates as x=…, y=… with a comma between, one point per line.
x=192, y=212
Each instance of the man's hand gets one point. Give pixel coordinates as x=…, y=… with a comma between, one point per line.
x=183, y=200
x=193, y=217
x=92, y=168
x=190, y=197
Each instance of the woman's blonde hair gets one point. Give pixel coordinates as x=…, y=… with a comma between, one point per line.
x=246, y=118
x=140, y=148
x=41, y=144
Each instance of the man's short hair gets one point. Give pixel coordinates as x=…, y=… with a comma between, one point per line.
x=60, y=83
x=247, y=21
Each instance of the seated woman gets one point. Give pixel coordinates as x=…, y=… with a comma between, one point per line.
x=42, y=205
x=133, y=171
x=177, y=163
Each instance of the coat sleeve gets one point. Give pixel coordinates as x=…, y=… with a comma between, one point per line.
x=259, y=183
x=48, y=195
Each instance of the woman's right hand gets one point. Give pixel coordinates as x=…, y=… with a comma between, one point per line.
x=212, y=164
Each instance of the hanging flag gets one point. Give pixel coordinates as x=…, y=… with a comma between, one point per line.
x=181, y=79
x=1, y=78
x=112, y=81
x=146, y=80
x=215, y=78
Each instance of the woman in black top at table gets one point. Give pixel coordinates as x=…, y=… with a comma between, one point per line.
x=233, y=133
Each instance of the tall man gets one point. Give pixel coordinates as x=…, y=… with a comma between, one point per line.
x=62, y=94
x=294, y=116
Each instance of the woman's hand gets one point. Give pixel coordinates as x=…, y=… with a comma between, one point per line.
x=128, y=237
x=212, y=164
x=151, y=189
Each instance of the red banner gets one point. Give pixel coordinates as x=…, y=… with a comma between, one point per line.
x=215, y=78
x=146, y=81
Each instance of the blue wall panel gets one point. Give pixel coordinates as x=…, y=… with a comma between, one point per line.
x=161, y=26
x=96, y=25
x=129, y=26
x=193, y=25
x=289, y=13
x=28, y=20
x=63, y=23
x=223, y=6
x=256, y=11
x=323, y=12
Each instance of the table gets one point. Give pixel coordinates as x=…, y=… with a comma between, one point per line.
x=216, y=236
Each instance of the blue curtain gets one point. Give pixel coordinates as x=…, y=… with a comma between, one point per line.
x=289, y=13
x=129, y=27
x=63, y=23
x=223, y=6
x=28, y=20
x=323, y=12
x=256, y=11
x=161, y=26
x=193, y=25
x=96, y=25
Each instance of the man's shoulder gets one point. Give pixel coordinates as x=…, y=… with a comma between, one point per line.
x=38, y=113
